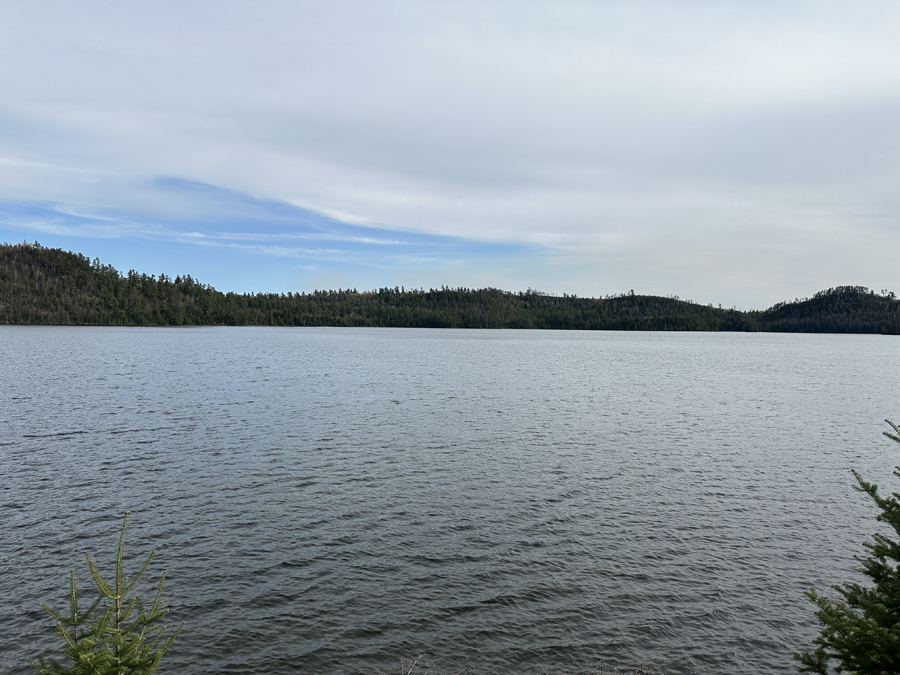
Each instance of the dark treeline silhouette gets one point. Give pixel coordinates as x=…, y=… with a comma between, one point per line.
x=845, y=309
x=49, y=286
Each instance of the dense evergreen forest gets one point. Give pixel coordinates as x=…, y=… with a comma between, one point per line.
x=49, y=286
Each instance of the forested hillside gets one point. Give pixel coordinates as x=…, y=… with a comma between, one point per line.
x=845, y=309
x=50, y=286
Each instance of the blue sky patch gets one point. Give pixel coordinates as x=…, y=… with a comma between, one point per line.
x=237, y=242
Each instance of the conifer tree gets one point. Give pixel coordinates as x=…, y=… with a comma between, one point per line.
x=121, y=639
x=860, y=632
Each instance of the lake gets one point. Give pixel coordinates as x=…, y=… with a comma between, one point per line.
x=336, y=500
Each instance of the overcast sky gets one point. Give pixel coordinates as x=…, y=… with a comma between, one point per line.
x=737, y=153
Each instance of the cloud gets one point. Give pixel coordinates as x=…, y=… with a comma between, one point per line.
x=200, y=215
x=601, y=132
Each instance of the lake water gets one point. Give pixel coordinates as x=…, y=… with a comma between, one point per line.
x=336, y=500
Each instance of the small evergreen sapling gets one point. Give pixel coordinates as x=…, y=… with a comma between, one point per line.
x=122, y=639
x=860, y=633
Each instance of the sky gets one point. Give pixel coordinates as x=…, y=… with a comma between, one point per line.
x=731, y=153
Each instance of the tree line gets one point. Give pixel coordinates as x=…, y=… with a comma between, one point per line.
x=41, y=285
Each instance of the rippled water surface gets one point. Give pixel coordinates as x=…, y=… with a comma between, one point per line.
x=334, y=500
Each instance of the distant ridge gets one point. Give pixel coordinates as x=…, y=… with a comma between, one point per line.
x=50, y=286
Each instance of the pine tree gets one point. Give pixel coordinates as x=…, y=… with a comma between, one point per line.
x=860, y=632
x=121, y=639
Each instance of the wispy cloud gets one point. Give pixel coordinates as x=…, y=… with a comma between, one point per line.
x=194, y=215
x=43, y=166
x=261, y=236
x=674, y=148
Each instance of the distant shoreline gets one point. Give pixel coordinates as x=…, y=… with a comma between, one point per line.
x=43, y=286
